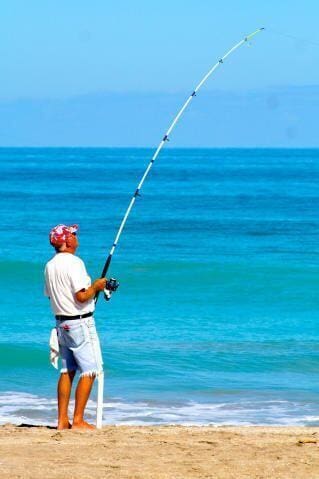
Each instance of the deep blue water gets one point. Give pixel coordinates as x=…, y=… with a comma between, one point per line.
x=215, y=320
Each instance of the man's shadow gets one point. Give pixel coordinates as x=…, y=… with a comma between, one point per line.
x=35, y=425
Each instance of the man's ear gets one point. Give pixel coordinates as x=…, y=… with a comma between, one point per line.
x=62, y=248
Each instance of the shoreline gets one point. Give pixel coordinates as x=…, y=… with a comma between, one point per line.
x=17, y=407
x=158, y=452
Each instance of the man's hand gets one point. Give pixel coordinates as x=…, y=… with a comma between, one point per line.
x=87, y=294
x=99, y=284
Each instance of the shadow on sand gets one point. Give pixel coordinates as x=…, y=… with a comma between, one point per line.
x=36, y=425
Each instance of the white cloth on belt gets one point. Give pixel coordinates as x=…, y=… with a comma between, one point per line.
x=54, y=348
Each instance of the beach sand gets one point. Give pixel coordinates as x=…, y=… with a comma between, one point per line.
x=143, y=452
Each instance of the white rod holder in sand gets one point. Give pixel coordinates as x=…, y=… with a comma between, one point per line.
x=99, y=405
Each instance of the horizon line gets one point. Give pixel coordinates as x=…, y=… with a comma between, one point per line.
x=168, y=148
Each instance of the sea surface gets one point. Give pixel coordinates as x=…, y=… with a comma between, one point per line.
x=216, y=317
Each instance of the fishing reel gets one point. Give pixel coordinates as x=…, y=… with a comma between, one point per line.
x=111, y=285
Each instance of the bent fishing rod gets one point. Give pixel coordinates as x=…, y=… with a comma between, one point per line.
x=112, y=284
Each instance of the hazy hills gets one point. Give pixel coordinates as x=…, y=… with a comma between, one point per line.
x=273, y=117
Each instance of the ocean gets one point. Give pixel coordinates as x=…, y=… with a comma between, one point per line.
x=216, y=317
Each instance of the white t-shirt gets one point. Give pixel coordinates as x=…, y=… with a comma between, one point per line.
x=65, y=275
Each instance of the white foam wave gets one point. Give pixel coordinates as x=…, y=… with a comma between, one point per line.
x=17, y=408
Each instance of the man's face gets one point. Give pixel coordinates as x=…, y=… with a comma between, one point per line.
x=72, y=241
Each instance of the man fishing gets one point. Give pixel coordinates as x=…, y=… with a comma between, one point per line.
x=71, y=295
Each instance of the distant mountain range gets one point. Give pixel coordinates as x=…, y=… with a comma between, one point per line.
x=273, y=117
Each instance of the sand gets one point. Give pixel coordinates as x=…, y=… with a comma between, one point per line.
x=160, y=452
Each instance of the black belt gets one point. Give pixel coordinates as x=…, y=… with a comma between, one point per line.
x=60, y=317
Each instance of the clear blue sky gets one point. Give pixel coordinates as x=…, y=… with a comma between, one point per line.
x=55, y=48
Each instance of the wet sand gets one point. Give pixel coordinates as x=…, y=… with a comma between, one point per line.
x=143, y=452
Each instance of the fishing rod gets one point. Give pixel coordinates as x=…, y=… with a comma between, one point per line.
x=112, y=284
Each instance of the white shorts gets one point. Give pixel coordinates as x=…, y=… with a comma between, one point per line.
x=80, y=348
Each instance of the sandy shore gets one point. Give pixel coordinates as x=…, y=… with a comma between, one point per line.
x=160, y=452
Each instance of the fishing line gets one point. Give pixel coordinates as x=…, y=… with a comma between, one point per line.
x=292, y=37
x=112, y=284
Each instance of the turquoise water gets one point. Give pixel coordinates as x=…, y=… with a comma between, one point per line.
x=215, y=320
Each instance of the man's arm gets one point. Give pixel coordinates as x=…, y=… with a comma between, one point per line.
x=89, y=293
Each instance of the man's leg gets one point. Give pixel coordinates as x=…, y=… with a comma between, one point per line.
x=82, y=394
x=64, y=391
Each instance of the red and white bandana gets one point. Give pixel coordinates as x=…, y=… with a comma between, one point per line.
x=59, y=234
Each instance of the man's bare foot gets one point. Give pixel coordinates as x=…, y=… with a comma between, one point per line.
x=82, y=425
x=64, y=425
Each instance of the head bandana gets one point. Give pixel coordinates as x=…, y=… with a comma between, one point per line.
x=59, y=234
